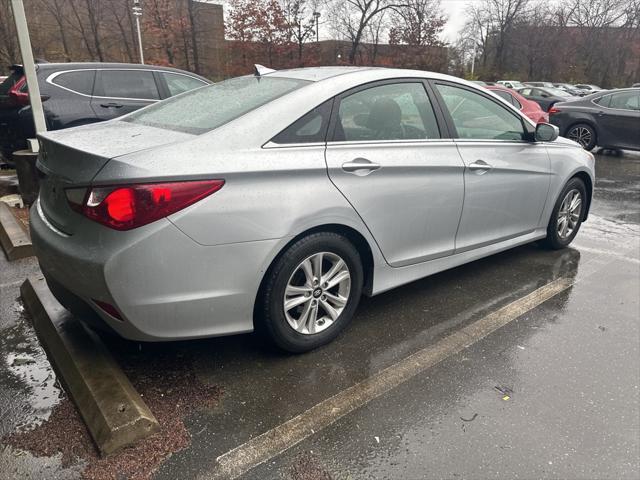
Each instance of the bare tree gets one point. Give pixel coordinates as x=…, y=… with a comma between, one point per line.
x=350, y=18
x=301, y=22
x=8, y=43
x=58, y=9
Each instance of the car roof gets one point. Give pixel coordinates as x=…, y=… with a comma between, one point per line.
x=317, y=74
x=108, y=65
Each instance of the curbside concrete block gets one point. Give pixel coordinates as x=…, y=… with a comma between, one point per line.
x=112, y=409
x=14, y=239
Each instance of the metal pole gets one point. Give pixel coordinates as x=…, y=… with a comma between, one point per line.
x=29, y=69
x=139, y=40
x=473, y=60
x=137, y=12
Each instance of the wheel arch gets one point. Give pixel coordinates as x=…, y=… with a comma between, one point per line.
x=356, y=238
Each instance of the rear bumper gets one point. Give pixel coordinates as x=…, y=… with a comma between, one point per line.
x=165, y=285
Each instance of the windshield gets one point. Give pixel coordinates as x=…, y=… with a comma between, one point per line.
x=517, y=84
x=204, y=109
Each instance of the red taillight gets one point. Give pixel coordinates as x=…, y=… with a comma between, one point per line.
x=108, y=308
x=130, y=206
x=553, y=110
x=17, y=97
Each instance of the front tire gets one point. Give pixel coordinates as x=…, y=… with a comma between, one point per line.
x=311, y=292
x=583, y=134
x=566, y=217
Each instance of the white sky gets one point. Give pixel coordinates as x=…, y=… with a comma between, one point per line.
x=454, y=9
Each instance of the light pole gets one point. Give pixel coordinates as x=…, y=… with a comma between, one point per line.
x=316, y=15
x=29, y=69
x=137, y=12
x=473, y=59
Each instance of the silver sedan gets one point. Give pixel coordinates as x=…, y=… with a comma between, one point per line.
x=275, y=201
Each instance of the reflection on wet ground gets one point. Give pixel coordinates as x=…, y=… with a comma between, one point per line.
x=561, y=363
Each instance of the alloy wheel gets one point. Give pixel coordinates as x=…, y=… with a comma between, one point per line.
x=582, y=135
x=569, y=214
x=317, y=292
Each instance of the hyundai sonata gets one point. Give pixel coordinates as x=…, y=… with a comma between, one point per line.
x=274, y=201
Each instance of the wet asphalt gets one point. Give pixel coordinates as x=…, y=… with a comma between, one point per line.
x=553, y=394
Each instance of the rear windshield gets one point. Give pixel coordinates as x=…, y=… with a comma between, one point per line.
x=207, y=108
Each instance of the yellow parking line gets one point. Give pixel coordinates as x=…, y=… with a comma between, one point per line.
x=275, y=441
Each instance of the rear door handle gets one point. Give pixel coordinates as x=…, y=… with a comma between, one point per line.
x=480, y=167
x=111, y=105
x=360, y=166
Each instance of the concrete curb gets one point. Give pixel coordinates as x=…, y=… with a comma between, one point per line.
x=110, y=406
x=15, y=241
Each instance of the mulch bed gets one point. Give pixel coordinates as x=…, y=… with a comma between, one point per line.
x=170, y=388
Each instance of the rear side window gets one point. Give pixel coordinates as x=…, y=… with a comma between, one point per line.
x=311, y=128
x=604, y=101
x=138, y=84
x=478, y=117
x=177, y=83
x=80, y=81
x=207, y=108
x=509, y=98
x=625, y=100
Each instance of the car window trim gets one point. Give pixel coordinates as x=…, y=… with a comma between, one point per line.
x=527, y=126
x=424, y=81
x=52, y=76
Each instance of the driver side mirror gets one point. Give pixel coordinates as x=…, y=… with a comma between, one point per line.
x=545, y=132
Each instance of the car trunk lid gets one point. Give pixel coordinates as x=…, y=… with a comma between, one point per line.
x=72, y=158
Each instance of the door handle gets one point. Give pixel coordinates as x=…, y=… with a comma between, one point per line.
x=360, y=166
x=111, y=105
x=480, y=167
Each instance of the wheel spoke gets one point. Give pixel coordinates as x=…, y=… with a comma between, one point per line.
x=316, y=261
x=307, y=268
x=337, y=300
x=311, y=319
x=339, y=278
x=335, y=268
x=297, y=290
x=302, y=320
x=294, y=302
x=332, y=312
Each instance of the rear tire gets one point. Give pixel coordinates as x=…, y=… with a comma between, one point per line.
x=566, y=217
x=323, y=303
x=583, y=134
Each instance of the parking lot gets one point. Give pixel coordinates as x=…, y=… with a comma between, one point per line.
x=521, y=365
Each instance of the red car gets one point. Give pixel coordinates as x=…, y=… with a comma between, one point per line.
x=530, y=108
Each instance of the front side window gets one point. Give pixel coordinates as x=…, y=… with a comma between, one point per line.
x=400, y=111
x=525, y=91
x=138, y=84
x=478, y=117
x=177, y=83
x=207, y=108
x=80, y=81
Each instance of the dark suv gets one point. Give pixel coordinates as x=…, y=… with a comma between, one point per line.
x=79, y=93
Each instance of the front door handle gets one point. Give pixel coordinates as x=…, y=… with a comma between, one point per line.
x=360, y=166
x=480, y=167
x=111, y=105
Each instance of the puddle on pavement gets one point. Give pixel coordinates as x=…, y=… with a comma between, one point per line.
x=26, y=378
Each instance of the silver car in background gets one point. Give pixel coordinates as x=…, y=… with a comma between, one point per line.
x=274, y=201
